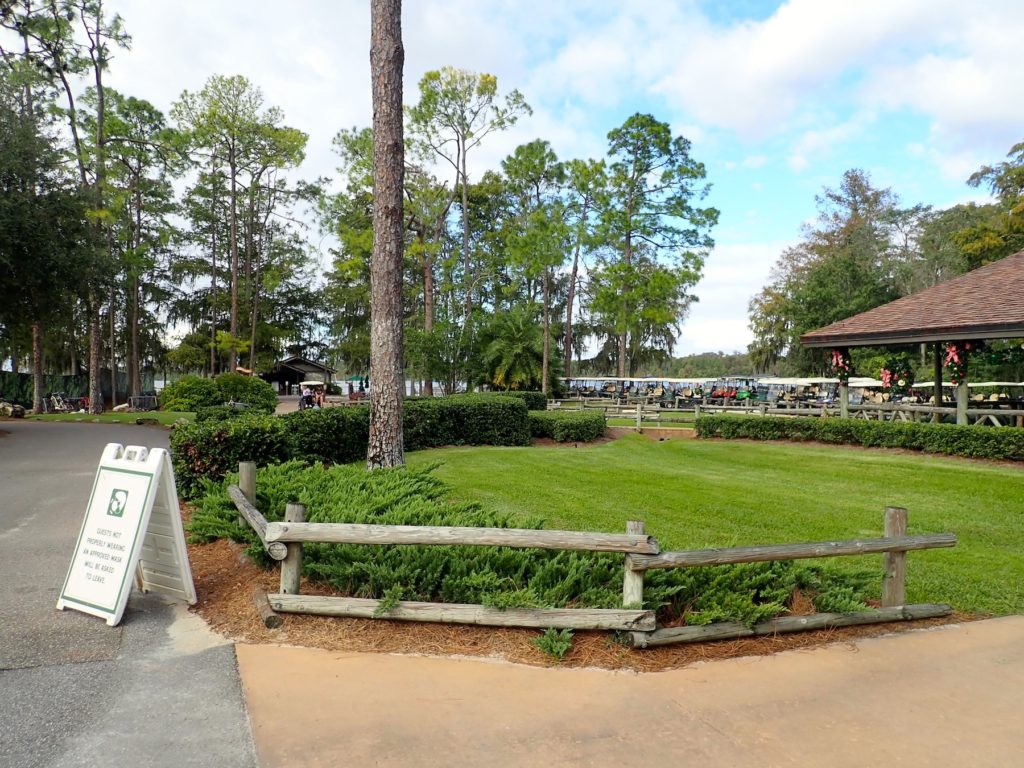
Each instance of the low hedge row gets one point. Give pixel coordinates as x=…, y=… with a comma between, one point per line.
x=208, y=449
x=190, y=393
x=974, y=441
x=567, y=426
x=535, y=401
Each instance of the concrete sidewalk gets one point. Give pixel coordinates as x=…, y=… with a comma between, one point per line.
x=950, y=696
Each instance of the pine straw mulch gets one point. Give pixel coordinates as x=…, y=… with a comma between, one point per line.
x=224, y=578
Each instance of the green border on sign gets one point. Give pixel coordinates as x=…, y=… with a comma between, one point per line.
x=131, y=555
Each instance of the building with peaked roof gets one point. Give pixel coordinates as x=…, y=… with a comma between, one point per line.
x=986, y=303
x=290, y=372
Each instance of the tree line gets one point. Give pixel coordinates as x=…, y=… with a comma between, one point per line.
x=118, y=222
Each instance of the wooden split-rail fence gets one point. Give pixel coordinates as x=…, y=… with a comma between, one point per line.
x=283, y=542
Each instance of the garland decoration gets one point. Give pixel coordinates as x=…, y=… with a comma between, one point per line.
x=957, y=353
x=841, y=364
x=897, y=375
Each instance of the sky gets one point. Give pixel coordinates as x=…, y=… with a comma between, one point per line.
x=777, y=98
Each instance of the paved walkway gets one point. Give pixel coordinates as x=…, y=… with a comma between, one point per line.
x=950, y=696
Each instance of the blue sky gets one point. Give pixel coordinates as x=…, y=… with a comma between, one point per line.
x=778, y=99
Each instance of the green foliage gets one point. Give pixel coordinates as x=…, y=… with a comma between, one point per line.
x=189, y=393
x=567, y=426
x=974, y=441
x=329, y=435
x=499, y=577
x=210, y=449
x=555, y=643
x=535, y=401
x=219, y=412
x=251, y=390
x=466, y=420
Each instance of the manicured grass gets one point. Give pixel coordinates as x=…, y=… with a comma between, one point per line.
x=163, y=417
x=677, y=422
x=711, y=493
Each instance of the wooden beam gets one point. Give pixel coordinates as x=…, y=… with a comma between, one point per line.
x=785, y=624
x=255, y=518
x=633, y=580
x=291, y=566
x=457, y=613
x=259, y=600
x=697, y=557
x=894, y=564
x=355, y=533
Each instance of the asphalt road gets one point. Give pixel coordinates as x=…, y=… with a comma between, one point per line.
x=158, y=690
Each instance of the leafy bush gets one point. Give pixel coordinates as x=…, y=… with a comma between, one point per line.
x=189, y=393
x=554, y=643
x=973, y=441
x=210, y=449
x=219, y=412
x=535, y=401
x=495, y=576
x=567, y=426
x=465, y=420
x=329, y=435
x=251, y=390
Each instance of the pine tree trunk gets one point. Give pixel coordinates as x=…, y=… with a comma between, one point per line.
x=386, y=376
x=113, y=353
x=135, y=364
x=95, y=341
x=547, y=334
x=37, y=368
x=233, y=219
x=428, y=313
x=568, y=311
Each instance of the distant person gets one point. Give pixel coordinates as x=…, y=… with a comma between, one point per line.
x=307, y=398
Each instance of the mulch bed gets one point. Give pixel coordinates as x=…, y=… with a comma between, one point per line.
x=224, y=578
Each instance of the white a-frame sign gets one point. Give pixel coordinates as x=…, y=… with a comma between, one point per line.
x=131, y=528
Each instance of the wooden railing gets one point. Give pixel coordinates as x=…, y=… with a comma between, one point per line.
x=283, y=541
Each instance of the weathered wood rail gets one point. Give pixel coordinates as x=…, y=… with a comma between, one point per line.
x=284, y=540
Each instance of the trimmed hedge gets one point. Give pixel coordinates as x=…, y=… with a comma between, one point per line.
x=210, y=448
x=973, y=441
x=190, y=393
x=219, y=412
x=567, y=426
x=535, y=401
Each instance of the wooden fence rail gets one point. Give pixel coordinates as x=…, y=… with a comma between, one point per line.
x=284, y=540
x=357, y=533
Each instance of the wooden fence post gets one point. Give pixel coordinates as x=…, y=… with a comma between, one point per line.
x=639, y=412
x=291, y=566
x=247, y=483
x=633, y=581
x=894, y=564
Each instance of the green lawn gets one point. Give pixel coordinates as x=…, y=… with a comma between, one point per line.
x=163, y=417
x=696, y=493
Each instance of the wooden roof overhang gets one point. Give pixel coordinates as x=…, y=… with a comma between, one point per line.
x=987, y=303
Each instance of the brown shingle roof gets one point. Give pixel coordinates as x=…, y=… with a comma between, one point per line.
x=987, y=303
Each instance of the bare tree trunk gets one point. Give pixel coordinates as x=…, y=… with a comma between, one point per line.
x=113, y=353
x=387, y=57
x=428, y=313
x=547, y=333
x=213, y=286
x=233, y=219
x=568, y=311
x=37, y=368
x=95, y=391
x=135, y=364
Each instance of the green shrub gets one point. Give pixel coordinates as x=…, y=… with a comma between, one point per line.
x=219, y=412
x=535, y=401
x=329, y=435
x=567, y=426
x=974, y=441
x=189, y=393
x=465, y=420
x=211, y=449
x=251, y=390
x=500, y=577
x=554, y=643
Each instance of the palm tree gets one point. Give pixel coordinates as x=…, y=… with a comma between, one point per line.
x=513, y=349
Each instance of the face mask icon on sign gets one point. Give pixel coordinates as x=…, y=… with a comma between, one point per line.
x=118, y=501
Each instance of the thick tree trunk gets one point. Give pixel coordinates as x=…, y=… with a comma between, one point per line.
x=95, y=339
x=386, y=376
x=37, y=368
x=547, y=333
x=568, y=311
x=113, y=352
x=233, y=218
